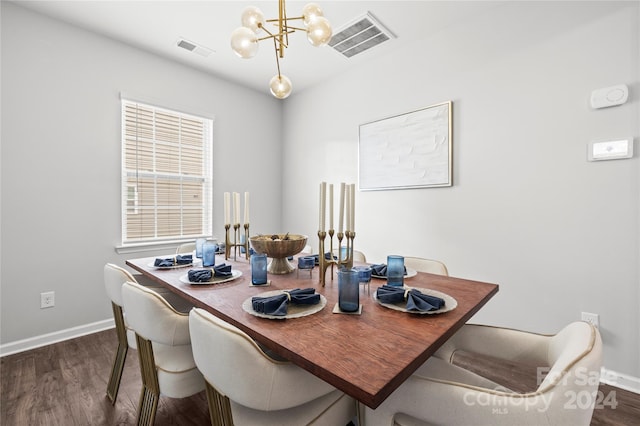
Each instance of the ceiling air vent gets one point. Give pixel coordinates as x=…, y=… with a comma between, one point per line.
x=359, y=35
x=194, y=47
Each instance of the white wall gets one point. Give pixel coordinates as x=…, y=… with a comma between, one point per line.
x=61, y=161
x=526, y=211
x=560, y=235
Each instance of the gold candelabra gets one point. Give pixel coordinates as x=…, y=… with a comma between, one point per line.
x=324, y=263
x=236, y=241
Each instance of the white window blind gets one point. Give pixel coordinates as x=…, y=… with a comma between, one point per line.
x=166, y=174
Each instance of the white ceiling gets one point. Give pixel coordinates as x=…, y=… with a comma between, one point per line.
x=156, y=26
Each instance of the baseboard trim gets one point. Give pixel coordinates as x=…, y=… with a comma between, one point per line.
x=55, y=337
x=609, y=377
x=620, y=380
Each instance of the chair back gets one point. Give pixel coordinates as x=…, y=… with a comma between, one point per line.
x=572, y=358
x=186, y=248
x=114, y=277
x=236, y=367
x=575, y=357
x=426, y=265
x=152, y=317
x=358, y=256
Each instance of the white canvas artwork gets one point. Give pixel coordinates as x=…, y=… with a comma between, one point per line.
x=411, y=150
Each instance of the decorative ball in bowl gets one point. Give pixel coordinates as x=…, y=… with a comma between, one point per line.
x=278, y=247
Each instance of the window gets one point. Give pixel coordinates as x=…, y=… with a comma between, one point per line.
x=166, y=174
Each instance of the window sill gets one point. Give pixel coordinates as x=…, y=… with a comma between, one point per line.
x=148, y=247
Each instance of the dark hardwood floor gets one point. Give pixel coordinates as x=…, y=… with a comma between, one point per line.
x=65, y=384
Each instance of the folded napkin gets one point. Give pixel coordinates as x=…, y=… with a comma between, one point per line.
x=277, y=305
x=179, y=259
x=416, y=301
x=205, y=275
x=380, y=270
x=326, y=256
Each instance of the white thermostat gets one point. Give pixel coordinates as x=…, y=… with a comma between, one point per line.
x=609, y=96
x=610, y=150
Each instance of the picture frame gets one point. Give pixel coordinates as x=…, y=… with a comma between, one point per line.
x=410, y=150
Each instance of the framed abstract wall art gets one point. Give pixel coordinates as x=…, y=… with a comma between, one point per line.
x=411, y=150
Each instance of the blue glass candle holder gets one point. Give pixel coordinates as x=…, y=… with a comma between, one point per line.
x=364, y=275
x=209, y=249
x=242, y=241
x=395, y=270
x=199, y=244
x=348, y=290
x=306, y=263
x=258, y=269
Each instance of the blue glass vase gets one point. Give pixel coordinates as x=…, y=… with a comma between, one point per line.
x=209, y=249
x=199, y=244
x=395, y=270
x=258, y=269
x=348, y=290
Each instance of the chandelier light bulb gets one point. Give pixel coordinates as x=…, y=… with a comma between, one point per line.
x=310, y=12
x=319, y=31
x=280, y=86
x=244, y=42
x=252, y=18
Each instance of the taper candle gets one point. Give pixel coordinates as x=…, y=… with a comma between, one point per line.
x=227, y=208
x=236, y=208
x=320, y=207
x=323, y=190
x=331, y=207
x=341, y=210
x=246, y=208
x=347, y=207
x=353, y=207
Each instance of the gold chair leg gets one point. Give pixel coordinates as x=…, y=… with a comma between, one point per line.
x=147, y=407
x=150, y=394
x=116, y=373
x=121, y=355
x=219, y=407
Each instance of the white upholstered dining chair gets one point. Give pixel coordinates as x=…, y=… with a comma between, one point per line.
x=245, y=386
x=114, y=278
x=164, y=349
x=426, y=265
x=358, y=256
x=444, y=394
x=186, y=248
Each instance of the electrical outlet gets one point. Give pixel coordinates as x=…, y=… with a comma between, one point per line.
x=591, y=318
x=47, y=300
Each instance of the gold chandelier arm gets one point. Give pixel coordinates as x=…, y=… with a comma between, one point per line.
x=275, y=48
x=267, y=37
x=277, y=37
x=282, y=28
x=285, y=19
x=294, y=29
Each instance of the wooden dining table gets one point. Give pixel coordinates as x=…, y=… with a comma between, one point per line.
x=366, y=355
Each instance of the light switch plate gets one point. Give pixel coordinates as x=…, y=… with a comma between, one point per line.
x=610, y=150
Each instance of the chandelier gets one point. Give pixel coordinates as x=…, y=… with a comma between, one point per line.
x=244, y=39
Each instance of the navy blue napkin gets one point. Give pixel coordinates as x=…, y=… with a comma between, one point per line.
x=380, y=270
x=326, y=256
x=205, y=275
x=277, y=305
x=179, y=259
x=416, y=301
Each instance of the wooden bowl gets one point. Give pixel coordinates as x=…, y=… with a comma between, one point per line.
x=278, y=247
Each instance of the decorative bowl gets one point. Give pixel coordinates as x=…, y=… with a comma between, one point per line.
x=278, y=247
